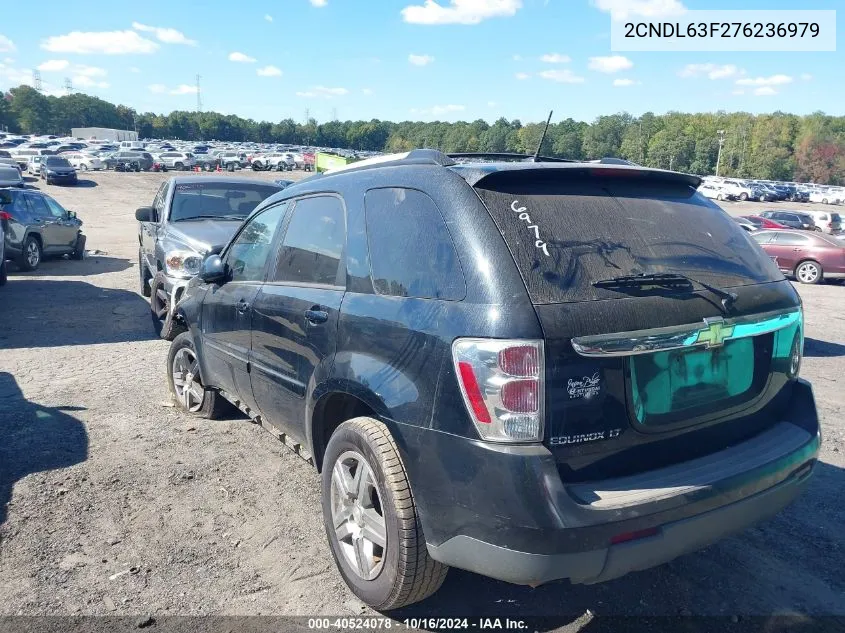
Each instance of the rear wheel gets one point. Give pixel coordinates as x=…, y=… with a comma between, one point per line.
x=161, y=312
x=824, y=200
x=743, y=196
x=719, y=197
x=31, y=254
x=809, y=272
x=83, y=167
x=186, y=386
x=178, y=166
x=371, y=519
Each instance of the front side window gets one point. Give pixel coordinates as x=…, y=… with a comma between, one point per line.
x=248, y=254
x=411, y=251
x=56, y=209
x=313, y=243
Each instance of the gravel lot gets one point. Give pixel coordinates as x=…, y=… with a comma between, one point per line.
x=120, y=505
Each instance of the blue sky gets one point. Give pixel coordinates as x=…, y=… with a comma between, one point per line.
x=402, y=59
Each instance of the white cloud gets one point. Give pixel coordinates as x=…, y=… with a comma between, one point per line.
x=11, y=76
x=89, y=71
x=459, y=11
x=241, y=58
x=86, y=82
x=439, y=109
x=103, y=42
x=555, y=58
x=711, y=71
x=491, y=104
x=806, y=77
x=157, y=88
x=623, y=9
x=522, y=76
x=323, y=91
x=738, y=92
x=8, y=60
x=517, y=58
x=624, y=83
x=562, y=76
x=6, y=45
x=367, y=91
x=612, y=64
x=765, y=91
x=53, y=65
x=165, y=34
x=420, y=60
x=134, y=69
x=318, y=3
x=184, y=89
x=268, y=17
x=774, y=80
x=269, y=71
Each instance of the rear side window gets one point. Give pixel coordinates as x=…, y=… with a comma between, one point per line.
x=568, y=229
x=411, y=251
x=790, y=239
x=313, y=243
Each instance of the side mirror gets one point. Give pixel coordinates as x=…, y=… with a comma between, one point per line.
x=71, y=215
x=145, y=214
x=216, y=249
x=212, y=270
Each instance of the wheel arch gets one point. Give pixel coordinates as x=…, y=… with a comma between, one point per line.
x=804, y=261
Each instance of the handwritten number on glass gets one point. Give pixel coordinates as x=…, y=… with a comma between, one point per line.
x=523, y=215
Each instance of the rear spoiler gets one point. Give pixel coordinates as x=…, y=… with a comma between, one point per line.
x=476, y=174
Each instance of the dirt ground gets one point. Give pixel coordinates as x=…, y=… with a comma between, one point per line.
x=120, y=505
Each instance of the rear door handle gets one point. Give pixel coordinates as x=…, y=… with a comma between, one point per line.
x=316, y=316
x=242, y=306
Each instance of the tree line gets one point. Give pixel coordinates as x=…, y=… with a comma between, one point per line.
x=776, y=146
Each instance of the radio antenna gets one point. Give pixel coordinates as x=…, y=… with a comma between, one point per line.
x=542, y=138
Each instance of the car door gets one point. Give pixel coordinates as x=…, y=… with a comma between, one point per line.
x=149, y=230
x=227, y=307
x=789, y=248
x=45, y=223
x=67, y=228
x=294, y=319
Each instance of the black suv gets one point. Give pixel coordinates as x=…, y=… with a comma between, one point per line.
x=37, y=226
x=792, y=219
x=529, y=370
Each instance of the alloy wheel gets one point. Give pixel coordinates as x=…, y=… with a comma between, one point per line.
x=33, y=256
x=808, y=272
x=186, y=381
x=357, y=515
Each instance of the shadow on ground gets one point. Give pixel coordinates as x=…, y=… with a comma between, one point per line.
x=815, y=347
x=783, y=567
x=35, y=438
x=64, y=266
x=45, y=313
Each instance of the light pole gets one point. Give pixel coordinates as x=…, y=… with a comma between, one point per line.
x=719, y=156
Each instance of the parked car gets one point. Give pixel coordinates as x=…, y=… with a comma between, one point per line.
x=144, y=160
x=826, y=221
x=36, y=226
x=484, y=384
x=740, y=190
x=809, y=257
x=230, y=161
x=715, y=191
x=764, y=223
x=3, y=221
x=57, y=169
x=33, y=167
x=10, y=176
x=188, y=216
x=745, y=224
x=84, y=162
x=824, y=196
x=180, y=161
x=10, y=162
x=792, y=219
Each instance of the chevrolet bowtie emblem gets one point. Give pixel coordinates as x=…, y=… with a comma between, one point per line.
x=715, y=334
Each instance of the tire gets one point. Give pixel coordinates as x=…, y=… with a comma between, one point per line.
x=78, y=252
x=824, y=200
x=4, y=273
x=719, y=197
x=31, y=254
x=809, y=272
x=178, y=166
x=212, y=405
x=164, y=324
x=743, y=196
x=83, y=167
x=146, y=289
x=230, y=167
x=401, y=571
x=256, y=166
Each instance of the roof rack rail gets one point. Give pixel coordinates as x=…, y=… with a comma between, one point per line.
x=610, y=160
x=510, y=156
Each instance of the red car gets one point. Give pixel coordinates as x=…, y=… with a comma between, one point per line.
x=764, y=224
x=808, y=256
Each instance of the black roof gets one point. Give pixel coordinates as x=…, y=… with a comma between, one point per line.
x=233, y=180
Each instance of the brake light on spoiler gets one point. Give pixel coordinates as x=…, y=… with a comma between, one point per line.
x=502, y=383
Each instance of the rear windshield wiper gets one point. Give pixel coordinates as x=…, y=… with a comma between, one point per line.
x=665, y=279
x=211, y=217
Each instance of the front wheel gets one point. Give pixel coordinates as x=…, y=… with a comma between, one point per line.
x=719, y=197
x=78, y=252
x=186, y=386
x=31, y=255
x=3, y=273
x=824, y=200
x=809, y=272
x=178, y=166
x=83, y=167
x=743, y=196
x=161, y=312
x=371, y=520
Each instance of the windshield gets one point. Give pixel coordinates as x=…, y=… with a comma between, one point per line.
x=52, y=161
x=223, y=200
x=566, y=235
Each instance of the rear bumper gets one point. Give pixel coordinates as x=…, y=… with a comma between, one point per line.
x=505, y=513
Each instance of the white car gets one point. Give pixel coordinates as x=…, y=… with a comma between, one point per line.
x=738, y=189
x=177, y=160
x=715, y=192
x=84, y=162
x=824, y=196
x=34, y=165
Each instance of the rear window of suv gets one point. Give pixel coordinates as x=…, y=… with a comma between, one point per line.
x=567, y=231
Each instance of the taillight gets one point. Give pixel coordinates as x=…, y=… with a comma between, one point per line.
x=5, y=215
x=502, y=385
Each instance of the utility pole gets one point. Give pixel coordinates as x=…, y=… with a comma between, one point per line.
x=199, y=95
x=334, y=114
x=719, y=156
x=36, y=80
x=68, y=85
x=307, y=115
